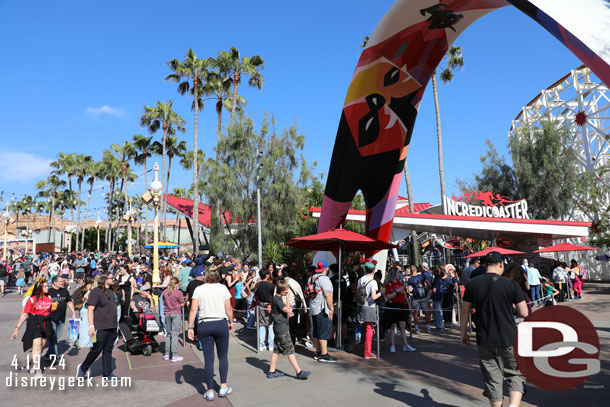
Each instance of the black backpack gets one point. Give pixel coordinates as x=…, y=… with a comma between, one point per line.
x=419, y=290
x=3, y=270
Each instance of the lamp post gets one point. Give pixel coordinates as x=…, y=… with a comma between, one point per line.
x=259, y=165
x=156, y=186
x=70, y=229
x=7, y=218
x=129, y=217
x=98, y=222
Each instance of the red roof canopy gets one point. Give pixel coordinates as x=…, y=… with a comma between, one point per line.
x=564, y=247
x=339, y=238
x=185, y=206
x=494, y=249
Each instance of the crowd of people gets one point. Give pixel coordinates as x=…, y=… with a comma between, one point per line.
x=111, y=294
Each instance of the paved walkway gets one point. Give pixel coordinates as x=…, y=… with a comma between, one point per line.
x=441, y=373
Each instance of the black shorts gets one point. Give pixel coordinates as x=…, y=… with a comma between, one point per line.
x=322, y=326
x=393, y=316
x=80, y=275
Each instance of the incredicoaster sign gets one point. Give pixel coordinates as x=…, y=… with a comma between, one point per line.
x=515, y=210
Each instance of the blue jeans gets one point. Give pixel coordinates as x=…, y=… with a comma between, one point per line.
x=535, y=290
x=438, y=313
x=262, y=335
x=161, y=309
x=58, y=328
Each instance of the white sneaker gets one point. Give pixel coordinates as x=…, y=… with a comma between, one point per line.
x=408, y=348
x=271, y=349
x=416, y=329
x=262, y=349
x=392, y=349
x=428, y=329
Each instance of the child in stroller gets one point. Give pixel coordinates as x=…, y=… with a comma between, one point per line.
x=142, y=324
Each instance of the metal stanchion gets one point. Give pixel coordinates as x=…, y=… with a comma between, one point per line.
x=258, y=331
x=377, y=318
x=469, y=323
x=457, y=316
x=183, y=331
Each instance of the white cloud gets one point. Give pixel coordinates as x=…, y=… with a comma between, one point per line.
x=96, y=112
x=19, y=166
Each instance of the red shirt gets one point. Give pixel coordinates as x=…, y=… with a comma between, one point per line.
x=42, y=306
x=396, y=287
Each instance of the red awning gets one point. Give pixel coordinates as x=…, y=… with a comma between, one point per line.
x=338, y=238
x=564, y=247
x=185, y=206
x=500, y=250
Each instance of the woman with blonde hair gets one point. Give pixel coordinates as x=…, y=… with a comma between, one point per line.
x=172, y=300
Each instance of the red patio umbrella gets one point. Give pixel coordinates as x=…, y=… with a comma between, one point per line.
x=494, y=249
x=338, y=240
x=564, y=247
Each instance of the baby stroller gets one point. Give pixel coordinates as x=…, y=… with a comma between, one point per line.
x=144, y=327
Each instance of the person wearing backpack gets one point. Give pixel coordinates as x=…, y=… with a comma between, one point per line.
x=5, y=270
x=319, y=291
x=439, y=288
x=366, y=295
x=419, y=290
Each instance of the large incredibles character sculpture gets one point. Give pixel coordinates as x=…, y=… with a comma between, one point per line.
x=390, y=78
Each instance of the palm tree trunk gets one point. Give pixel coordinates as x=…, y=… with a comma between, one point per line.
x=219, y=111
x=108, y=231
x=441, y=172
x=415, y=259
x=163, y=177
x=52, y=237
x=82, y=243
x=196, y=173
x=146, y=206
x=115, y=235
x=169, y=167
x=236, y=78
x=76, y=245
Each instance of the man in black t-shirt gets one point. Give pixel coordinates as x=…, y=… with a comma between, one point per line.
x=61, y=300
x=264, y=292
x=495, y=298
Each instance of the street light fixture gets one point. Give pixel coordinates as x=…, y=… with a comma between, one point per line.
x=156, y=186
x=129, y=218
x=98, y=222
x=7, y=219
x=259, y=166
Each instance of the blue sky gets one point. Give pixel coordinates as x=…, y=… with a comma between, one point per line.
x=76, y=75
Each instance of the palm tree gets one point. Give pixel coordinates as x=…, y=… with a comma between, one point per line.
x=454, y=61
x=162, y=116
x=174, y=148
x=143, y=145
x=81, y=167
x=48, y=188
x=239, y=66
x=195, y=70
x=66, y=165
x=111, y=171
x=124, y=152
x=218, y=85
x=93, y=170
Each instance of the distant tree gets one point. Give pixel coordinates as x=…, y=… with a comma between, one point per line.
x=230, y=185
x=545, y=169
x=594, y=190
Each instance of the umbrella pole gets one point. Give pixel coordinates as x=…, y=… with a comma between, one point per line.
x=339, y=308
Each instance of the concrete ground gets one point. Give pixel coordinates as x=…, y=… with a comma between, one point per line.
x=440, y=373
